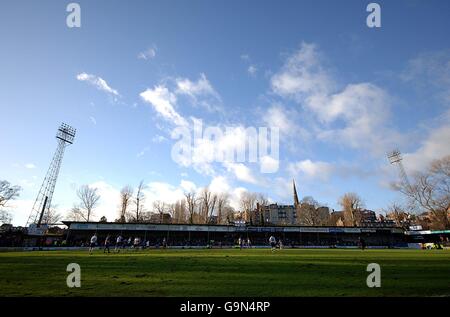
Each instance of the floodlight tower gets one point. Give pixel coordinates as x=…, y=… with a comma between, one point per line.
x=65, y=136
x=395, y=157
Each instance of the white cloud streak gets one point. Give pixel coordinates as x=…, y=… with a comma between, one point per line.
x=97, y=82
x=200, y=92
x=163, y=101
x=311, y=170
x=148, y=54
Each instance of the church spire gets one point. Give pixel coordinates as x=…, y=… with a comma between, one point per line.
x=296, y=202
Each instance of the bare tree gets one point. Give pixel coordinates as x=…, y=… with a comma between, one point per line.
x=76, y=214
x=191, y=202
x=222, y=203
x=352, y=206
x=5, y=216
x=208, y=202
x=261, y=202
x=310, y=213
x=171, y=210
x=88, y=201
x=430, y=191
x=139, y=202
x=212, y=207
x=160, y=207
x=336, y=219
x=8, y=192
x=179, y=211
x=145, y=216
x=398, y=214
x=126, y=195
x=51, y=216
x=248, y=204
x=262, y=199
x=229, y=214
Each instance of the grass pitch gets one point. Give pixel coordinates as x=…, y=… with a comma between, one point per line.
x=254, y=272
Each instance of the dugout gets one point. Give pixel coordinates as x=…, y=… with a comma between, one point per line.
x=428, y=236
x=183, y=235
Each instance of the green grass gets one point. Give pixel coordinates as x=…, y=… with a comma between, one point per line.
x=256, y=272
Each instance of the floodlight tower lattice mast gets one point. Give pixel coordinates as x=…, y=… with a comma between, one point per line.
x=395, y=157
x=65, y=136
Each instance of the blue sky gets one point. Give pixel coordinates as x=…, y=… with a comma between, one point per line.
x=342, y=94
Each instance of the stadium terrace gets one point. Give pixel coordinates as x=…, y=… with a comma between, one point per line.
x=216, y=236
x=155, y=235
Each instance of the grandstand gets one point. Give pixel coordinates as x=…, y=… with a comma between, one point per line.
x=183, y=235
x=77, y=234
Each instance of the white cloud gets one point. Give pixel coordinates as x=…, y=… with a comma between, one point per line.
x=204, y=168
x=235, y=197
x=203, y=151
x=93, y=120
x=200, y=92
x=30, y=166
x=245, y=57
x=252, y=69
x=162, y=101
x=268, y=163
x=188, y=186
x=220, y=184
x=97, y=82
x=290, y=124
x=364, y=108
x=238, y=138
x=143, y=151
x=26, y=183
x=20, y=210
x=283, y=188
x=109, y=200
x=302, y=75
x=159, y=139
x=162, y=191
x=312, y=170
x=201, y=87
x=353, y=101
x=355, y=116
x=149, y=53
x=435, y=146
x=282, y=118
x=241, y=172
x=430, y=70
